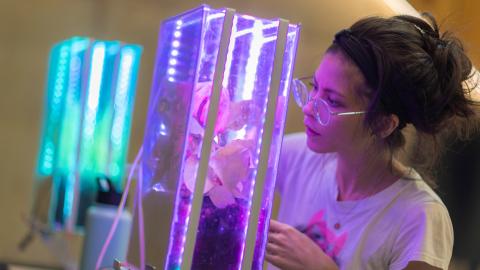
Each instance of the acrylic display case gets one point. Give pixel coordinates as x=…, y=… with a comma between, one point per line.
x=86, y=125
x=215, y=124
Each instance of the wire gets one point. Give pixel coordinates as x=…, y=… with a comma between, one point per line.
x=119, y=212
x=141, y=231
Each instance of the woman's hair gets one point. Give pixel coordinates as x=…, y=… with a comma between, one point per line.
x=411, y=70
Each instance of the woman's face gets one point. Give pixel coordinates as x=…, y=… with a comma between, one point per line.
x=337, y=81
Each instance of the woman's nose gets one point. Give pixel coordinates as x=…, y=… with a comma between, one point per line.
x=307, y=109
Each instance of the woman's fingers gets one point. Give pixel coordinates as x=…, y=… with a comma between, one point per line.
x=276, y=227
x=276, y=238
x=273, y=249
x=275, y=259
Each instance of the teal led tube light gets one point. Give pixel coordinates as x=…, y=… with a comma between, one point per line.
x=86, y=124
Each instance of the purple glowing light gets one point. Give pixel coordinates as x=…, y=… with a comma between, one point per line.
x=243, y=46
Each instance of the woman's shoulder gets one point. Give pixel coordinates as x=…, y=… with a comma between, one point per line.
x=419, y=203
x=411, y=197
x=419, y=200
x=425, y=231
x=418, y=192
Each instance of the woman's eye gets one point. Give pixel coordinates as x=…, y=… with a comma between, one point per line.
x=333, y=103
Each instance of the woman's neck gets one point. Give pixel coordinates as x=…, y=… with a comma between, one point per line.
x=361, y=176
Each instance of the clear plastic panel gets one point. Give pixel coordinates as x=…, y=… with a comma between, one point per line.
x=211, y=34
x=181, y=38
x=235, y=153
x=277, y=136
x=122, y=103
x=68, y=131
x=109, y=95
x=179, y=104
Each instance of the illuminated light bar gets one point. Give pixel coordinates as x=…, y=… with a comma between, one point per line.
x=215, y=122
x=86, y=125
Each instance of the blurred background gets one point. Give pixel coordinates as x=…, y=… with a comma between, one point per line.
x=29, y=28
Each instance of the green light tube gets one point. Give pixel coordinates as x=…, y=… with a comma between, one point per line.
x=88, y=106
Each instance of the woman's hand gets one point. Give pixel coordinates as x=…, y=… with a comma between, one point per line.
x=289, y=249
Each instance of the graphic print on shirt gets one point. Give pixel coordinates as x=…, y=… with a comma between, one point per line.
x=317, y=229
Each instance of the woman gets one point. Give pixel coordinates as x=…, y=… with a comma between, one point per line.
x=347, y=202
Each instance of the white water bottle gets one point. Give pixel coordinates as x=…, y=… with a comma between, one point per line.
x=99, y=220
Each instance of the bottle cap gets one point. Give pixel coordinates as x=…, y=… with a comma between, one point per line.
x=106, y=192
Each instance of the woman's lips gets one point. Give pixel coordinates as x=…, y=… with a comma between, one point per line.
x=311, y=132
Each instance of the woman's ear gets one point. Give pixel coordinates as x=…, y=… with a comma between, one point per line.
x=387, y=125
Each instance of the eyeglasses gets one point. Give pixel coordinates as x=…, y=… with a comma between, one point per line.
x=321, y=108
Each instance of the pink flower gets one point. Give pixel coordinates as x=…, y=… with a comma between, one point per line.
x=201, y=102
x=243, y=112
x=232, y=165
x=229, y=166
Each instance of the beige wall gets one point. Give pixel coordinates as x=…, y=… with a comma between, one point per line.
x=459, y=16
x=28, y=29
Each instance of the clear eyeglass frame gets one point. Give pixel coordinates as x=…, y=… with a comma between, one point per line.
x=321, y=108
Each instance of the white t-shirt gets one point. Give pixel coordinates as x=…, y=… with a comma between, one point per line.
x=405, y=222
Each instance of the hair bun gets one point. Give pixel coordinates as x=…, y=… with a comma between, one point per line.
x=442, y=92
